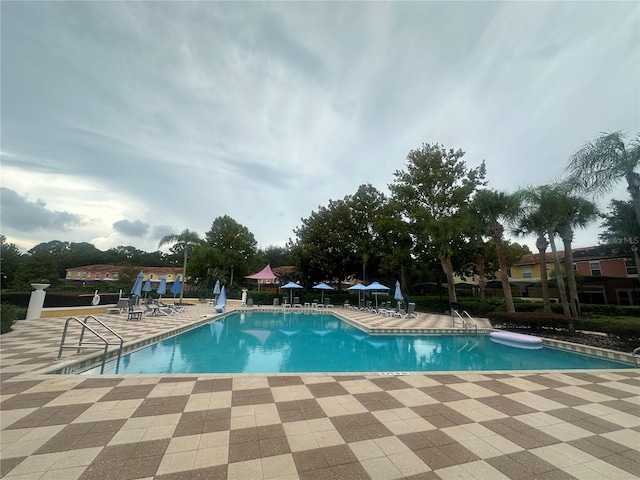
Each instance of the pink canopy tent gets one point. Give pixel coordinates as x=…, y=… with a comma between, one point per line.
x=265, y=274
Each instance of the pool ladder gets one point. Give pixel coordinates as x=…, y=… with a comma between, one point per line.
x=635, y=355
x=465, y=319
x=101, y=342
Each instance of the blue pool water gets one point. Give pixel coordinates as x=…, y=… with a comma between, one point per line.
x=270, y=342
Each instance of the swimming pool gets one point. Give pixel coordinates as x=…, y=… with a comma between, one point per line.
x=276, y=342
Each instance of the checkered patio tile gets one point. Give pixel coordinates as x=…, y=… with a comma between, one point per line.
x=486, y=425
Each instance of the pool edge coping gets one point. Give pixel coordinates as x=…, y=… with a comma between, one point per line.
x=91, y=360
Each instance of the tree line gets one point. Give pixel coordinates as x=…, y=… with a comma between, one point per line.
x=440, y=219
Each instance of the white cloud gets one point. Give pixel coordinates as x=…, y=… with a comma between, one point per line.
x=171, y=114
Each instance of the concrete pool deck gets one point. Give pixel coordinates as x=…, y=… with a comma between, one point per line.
x=482, y=425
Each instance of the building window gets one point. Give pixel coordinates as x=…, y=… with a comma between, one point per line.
x=68, y=274
x=97, y=276
x=116, y=275
x=595, y=269
x=575, y=267
x=151, y=276
x=508, y=271
x=630, y=265
x=77, y=275
x=84, y=275
x=526, y=272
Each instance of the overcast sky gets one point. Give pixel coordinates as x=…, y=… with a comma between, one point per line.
x=123, y=122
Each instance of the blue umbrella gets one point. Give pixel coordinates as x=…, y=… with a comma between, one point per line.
x=356, y=288
x=398, y=293
x=216, y=289
x=137, y=287
x=162, y=288
x=147, y=287
x=222, y=300
x=291, y=286
x=175, y=288
x=323, y=286
x=376, y=287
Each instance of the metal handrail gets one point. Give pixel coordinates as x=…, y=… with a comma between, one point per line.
x=635, y=354
x=475, y=325
x=102, y=344
x=453, y=319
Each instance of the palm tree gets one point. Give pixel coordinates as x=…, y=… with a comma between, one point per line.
x=600, y=164
x=531, y=224
x=493, y=206
x=545, y=204
x=185, y=239
x=576, y=212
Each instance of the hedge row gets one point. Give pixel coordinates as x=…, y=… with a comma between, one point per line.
x=625, y=331
x=8, y=316
x=625, y=328
x=532, y=320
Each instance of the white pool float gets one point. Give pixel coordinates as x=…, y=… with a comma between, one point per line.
x=517, y=340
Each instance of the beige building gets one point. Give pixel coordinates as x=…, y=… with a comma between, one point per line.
x=111, y=273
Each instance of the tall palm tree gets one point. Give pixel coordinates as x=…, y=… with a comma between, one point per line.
x=600, y=164
x=492, y=207
x=531, y=224
x=545, y=203
x=576, y=212
x=186, y=238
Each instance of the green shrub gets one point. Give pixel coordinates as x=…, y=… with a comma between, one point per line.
x=8, y=316
x=480, y=309
x=629, y=331
x=610, y=310
x=431, y=304
x=526, y=306
x=532, y=320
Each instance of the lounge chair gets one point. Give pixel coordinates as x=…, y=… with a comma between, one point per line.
x=346, y=304
x=285, y=303
x=170, y=307
x=327, y=303
x=317, y=303
x=296, y=302
x=382, y=309
x=366, y=306
x=249, y=302
x=153, y=310
x=121, y=307
x=276, y=302
x=133, y=313
x=411, y=311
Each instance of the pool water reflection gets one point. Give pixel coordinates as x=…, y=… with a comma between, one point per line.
x=296, y=342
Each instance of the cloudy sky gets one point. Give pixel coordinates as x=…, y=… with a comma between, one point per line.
x=123, y=122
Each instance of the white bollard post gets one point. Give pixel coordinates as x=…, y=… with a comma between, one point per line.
x=244, y=297
x=37, y=300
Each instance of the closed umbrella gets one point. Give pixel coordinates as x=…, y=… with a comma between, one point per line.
x=323, y=286
x=376, y=287
x=216, y=289
x=175, y=288
x=162, y=288
x=147, y=287
x=137, y=286
x=291, y=286
x=222, y=301
x=398, y=293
